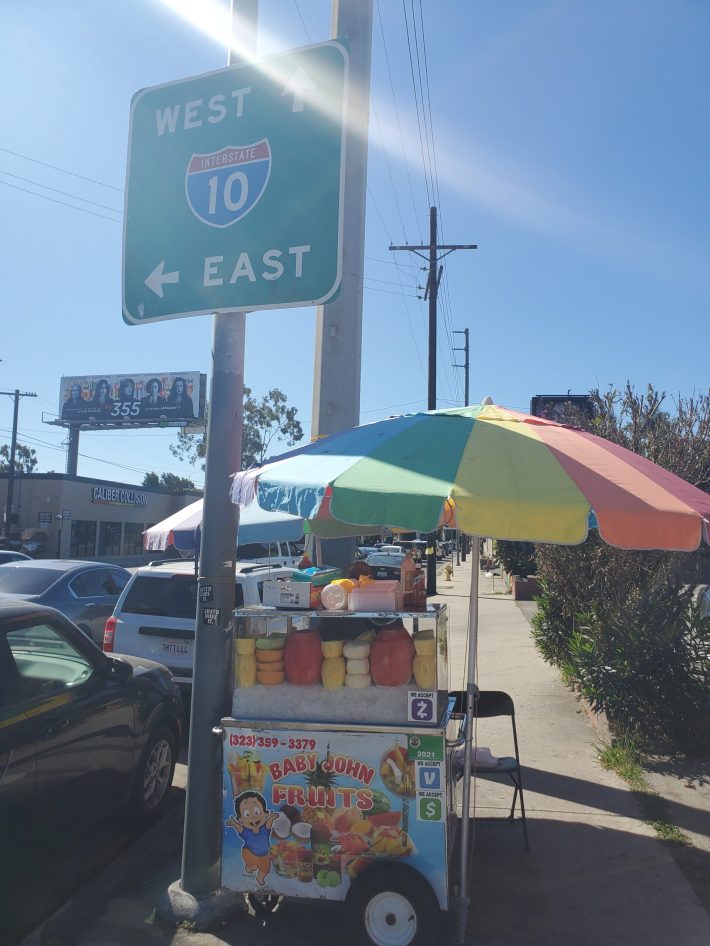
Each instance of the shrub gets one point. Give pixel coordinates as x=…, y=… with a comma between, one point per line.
x=517, y=558
x=648, y=670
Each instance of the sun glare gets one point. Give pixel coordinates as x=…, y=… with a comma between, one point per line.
x=214, y=20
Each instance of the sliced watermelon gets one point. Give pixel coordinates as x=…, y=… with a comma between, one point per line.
x=385, y=818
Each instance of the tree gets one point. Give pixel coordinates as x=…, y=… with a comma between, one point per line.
x=266, y=421
x=25, y=458
x=171, y=481
x=621, y=625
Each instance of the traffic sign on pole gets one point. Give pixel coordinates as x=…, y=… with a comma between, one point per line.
x=234, y=188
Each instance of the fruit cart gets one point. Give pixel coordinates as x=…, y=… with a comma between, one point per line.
x=336, y=777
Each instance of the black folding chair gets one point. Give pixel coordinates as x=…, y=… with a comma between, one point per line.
x=486, y=704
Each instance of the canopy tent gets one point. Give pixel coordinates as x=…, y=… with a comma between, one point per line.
x=183, y=528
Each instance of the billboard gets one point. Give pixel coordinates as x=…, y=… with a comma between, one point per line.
x=557, y=406
x=133, y=400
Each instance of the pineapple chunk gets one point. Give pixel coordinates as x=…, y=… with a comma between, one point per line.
x=246, y=670
x=332, y=672
x=425, y=671
x=332, y=648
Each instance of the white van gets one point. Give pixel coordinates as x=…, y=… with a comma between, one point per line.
x=155, y=616
x=270, y=553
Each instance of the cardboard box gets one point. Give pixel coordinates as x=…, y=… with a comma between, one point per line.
x=283, y=593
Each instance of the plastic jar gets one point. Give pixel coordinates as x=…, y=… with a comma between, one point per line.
x=334, y=596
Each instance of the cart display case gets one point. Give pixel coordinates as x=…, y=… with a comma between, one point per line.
x=351, y=666
x=337, y=791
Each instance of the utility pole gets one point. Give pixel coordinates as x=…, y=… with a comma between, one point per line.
x=435, y=253
x=73, y=450
x=15, y=395
x=338, y=342
x=465, y=365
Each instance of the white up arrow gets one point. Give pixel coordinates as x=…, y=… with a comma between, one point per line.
x=158, y=278
x=299, y=83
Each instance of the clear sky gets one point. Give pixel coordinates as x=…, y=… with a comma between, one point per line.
x=570, y=142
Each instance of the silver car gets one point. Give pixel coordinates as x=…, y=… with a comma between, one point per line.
x=8, y=556
x=85, y=592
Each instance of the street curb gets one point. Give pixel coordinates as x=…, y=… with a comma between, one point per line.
x=60, y=928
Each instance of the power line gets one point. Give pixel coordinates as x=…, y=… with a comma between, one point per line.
x=416, y=102
x=427, y=128
x=305, y=28
x=29, y=180
x=54, y=167
x=62, y=202
x=399, y=126
x=35, y=441
x=389, y=171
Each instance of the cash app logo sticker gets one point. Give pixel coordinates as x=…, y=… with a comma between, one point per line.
x=430, y=809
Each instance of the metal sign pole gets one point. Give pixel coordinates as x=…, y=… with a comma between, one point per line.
x=211, y=687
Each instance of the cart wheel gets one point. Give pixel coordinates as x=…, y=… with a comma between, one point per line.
x=393, y=905
x=264, y=903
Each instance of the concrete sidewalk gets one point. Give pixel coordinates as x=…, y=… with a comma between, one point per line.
x=595, y=875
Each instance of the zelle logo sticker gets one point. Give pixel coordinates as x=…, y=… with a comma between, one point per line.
x=222, y=187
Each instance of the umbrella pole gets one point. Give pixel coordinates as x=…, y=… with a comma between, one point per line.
x=468, y=737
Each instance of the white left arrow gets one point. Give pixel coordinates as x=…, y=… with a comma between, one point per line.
x=299, y=83
x=158, y=278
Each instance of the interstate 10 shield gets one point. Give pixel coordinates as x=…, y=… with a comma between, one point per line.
x=222, y=187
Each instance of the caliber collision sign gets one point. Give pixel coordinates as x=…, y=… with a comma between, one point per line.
x=234, y=188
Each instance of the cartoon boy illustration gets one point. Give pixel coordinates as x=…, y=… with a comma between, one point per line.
x=253, y=824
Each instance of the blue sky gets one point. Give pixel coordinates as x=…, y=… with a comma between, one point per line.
x=571, y=144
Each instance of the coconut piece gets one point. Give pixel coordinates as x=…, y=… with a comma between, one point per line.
x=358, y=666
x=358, y=681
x=357, y=649
x=282, y=826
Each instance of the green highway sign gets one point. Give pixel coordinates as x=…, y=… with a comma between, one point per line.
x=234, y=188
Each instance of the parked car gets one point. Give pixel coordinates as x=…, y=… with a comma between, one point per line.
x=385, y=564
x=8, y=556
x=417, y=547
x=443, y=548
x=85, y=592
x=155, y=615
x=390, y=548
x=364, y=550
x=81, y=733
x=270, y=553
x=34, y=542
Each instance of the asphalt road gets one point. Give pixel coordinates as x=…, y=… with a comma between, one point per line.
x=41, y=881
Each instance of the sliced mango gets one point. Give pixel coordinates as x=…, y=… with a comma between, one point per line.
x=270, y=677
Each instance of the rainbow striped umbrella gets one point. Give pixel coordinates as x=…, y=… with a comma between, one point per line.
x=510, y=476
